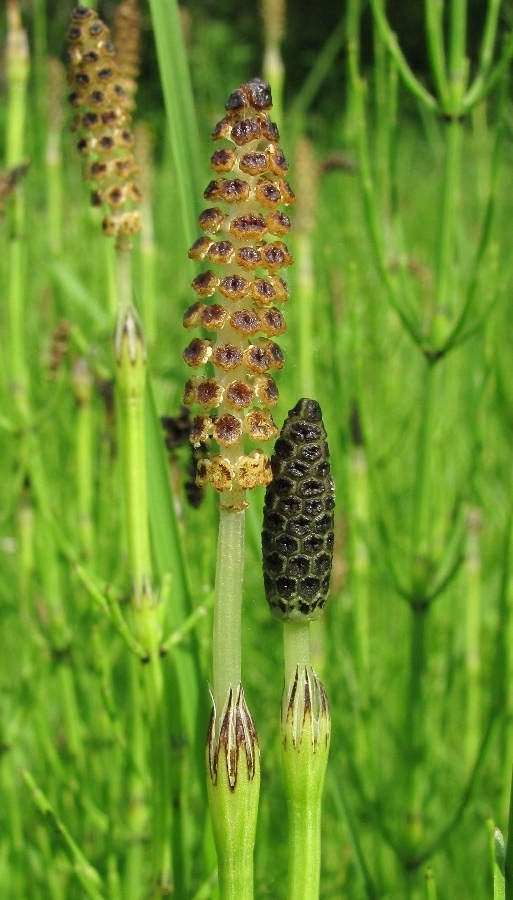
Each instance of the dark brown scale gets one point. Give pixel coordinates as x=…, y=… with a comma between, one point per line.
x=74, y=33
x=110, y=117
x=268, y=194
x=96, y=98
x=245, y=322
x=278, y=223
x=248, y=257
x=263, y=292
x=205, y=284
x=197, y=352
x=234, y=287
x=211, y=219
x=90, y=120
x=258, y=359
x=274, y=255
x=254, y=163
x=82, y=13
x=96, y=29
x=259, y=94
x=245, y=131
x=223, y=160
x=250, y=225
x=277, y=162
x=227, y=430
x=214, y=316
x=239, y=394
x=227, y=356
x=200, y=248
x=297, y=536
x=270, y=130
x=230, y=190
x=220, y=252
x=209, y=393
x=276, y=353
x=222, y=129
x=106, y=143
x=273, y=322
x=75, y=100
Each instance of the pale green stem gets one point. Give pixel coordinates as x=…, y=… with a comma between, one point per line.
x=146, y=610
x=444, y=293
x=472, y=648
x=296, y=648
x=508, y=861
x=17, y=70
x=457, y=63
x=414, y=729
x=82, y=382
x=305, y=301
x=227, y=606
x=435, y=38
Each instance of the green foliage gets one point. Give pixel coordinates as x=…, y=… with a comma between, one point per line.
x=411, y=357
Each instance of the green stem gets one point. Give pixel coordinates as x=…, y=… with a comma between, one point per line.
x=227, y=607
x=435, y=38
x=83, y=386
x=444, y=292
x=414, y=729
x=296, y=648
x=457, y=62
x=508, y=862
x=472, y=644
x=305, y=731
x=420, y=528
x=305, y=299
x=146, y=609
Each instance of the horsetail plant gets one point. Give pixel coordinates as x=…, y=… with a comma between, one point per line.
x=297, y=547
x=244, y=319
x=102, y=118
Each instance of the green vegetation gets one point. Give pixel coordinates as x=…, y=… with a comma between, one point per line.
x=399, y=324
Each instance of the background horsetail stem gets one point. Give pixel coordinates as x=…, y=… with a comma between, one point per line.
x=111, y=167
x=17, y=73
x=297, y=547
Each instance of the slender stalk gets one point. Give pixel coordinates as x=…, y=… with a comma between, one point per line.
x=457, y=62
x=508, y=859
x=296, y=649
x=415, y=729
x=305, y=728
x=17, y=70
x=434, y=10
x=420, y=525
x=444, y=268
x=146, y=610
x=472, y=643
x=83, y=387
x=226, y=641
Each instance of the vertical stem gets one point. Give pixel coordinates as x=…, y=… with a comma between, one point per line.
x=296, y=649
x=305, y=299
x=146, y=609
x=472, y=644
x=228, y=605
x=420, y=526
x=414, y=728
x=445, y=300
x=17, y=70
x=83, y=385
